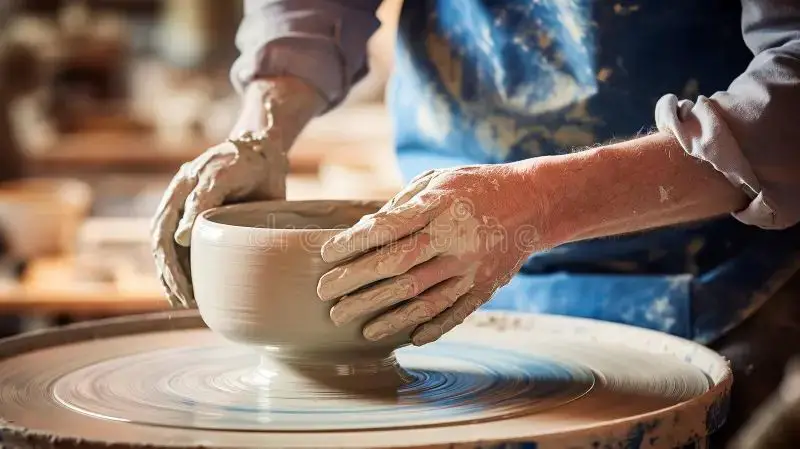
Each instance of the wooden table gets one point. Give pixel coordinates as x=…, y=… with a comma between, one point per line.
x=356, y=132
x=48, y=287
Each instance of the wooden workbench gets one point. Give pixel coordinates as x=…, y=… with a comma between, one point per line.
x=48, y=287
x=355, y=132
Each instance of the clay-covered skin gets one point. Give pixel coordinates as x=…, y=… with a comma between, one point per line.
x=435, y=253
x=255, y=270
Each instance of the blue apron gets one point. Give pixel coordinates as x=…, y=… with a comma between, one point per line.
x=483, y=81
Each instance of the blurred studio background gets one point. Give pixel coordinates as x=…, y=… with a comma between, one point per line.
x=100, y=102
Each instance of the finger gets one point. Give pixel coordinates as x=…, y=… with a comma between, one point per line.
x=425, y=306
x=175, y=300
x=381, y=228
x=450, y=318
x=172, y=299
x=163, y=244
x=392, y=291
x=383, y=263
x=411, y=189
x=173, y=277
x=425, y=174
x=209, y=192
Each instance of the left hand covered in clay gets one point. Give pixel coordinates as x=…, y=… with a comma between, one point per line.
x=433, y=254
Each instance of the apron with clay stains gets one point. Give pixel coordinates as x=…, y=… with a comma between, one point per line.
x=482, y=81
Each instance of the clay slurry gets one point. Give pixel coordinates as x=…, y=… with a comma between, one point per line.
x=220, y=388
x=166, y=380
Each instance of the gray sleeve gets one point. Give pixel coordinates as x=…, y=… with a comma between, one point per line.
x=751, y=132
x=323, y=42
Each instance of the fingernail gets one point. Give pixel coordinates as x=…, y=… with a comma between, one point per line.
x=183, y=235
x=337, y=247
x=340, y=315
x=341, y=245
x=326, y=289
x=331, y=249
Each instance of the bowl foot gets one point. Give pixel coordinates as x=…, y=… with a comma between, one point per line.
x=315, y=376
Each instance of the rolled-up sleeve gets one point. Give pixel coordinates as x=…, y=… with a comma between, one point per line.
x=323, y=42
x=751, y=132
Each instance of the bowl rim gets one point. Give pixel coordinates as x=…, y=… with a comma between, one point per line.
x=205, y=220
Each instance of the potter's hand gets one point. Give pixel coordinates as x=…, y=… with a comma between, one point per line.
x=252, y=165
x=436, y=252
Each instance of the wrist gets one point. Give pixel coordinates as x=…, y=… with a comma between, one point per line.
x=584, y=195
x=284, y=104
x=543, y=203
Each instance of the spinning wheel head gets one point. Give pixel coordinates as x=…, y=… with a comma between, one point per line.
x=165, y=381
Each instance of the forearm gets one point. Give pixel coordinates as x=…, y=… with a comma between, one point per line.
x=632, y=186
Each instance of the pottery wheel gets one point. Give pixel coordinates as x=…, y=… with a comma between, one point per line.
x=167, y=381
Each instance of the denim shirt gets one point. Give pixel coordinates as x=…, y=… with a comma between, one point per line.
x=482, y=81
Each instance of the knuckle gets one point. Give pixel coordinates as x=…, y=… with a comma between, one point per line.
x=410, y=285
x=394, y=270
x=195, y=196
x=158, y=253
x=419, y=311
x=213, y=183
x=379, y=222
x=379, y=233
x=418, y=179
x=437, y=301
x=386, y=263
x=449, y=292
x=403, y=214
x=185, y=170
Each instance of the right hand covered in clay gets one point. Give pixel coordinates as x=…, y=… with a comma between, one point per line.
x=251, y=166
x=434, y=253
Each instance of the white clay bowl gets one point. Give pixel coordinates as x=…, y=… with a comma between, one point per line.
x=255, y=268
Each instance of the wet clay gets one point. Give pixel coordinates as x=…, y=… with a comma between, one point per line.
x=255, y=269
x=500, y=380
